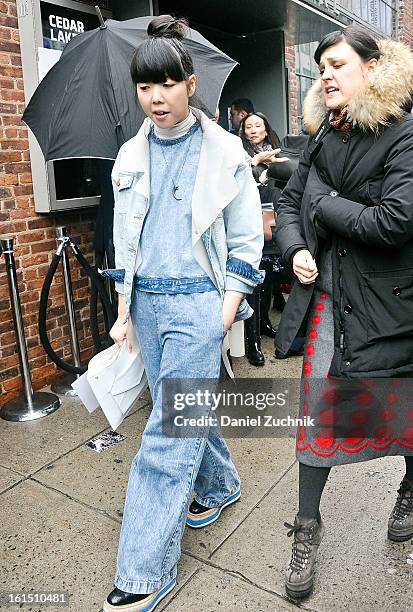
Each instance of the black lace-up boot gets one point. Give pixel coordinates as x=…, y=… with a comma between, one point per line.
x=400, y=526
x=301, y=569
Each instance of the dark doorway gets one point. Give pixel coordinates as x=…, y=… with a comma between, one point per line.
x=249, y=32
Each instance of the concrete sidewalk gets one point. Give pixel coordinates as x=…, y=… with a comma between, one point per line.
x=61, y=508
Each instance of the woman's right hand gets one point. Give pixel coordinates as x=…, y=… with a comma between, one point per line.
x=264, y=157
x=268, y=157
x=304, y=267
x=119, y=332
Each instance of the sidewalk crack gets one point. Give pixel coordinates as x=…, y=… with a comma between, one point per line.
x=78, y=501
x=252, y=509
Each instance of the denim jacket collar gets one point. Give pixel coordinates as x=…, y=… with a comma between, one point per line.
x=216, y=169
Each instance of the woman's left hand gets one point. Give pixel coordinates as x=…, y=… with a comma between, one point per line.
x=228, y=321
x=230, y=305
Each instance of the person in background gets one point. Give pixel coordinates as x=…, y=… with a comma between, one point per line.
x=239, y=108
x=262, y=144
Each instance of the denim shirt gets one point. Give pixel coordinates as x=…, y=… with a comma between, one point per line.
x=168, y=264
x=227, y=231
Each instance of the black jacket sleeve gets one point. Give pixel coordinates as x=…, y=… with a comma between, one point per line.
x=288, y=231
x=388, y=223
x=257, y=171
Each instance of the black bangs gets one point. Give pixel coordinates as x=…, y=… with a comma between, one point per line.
x=360, y=40
x=159, y=58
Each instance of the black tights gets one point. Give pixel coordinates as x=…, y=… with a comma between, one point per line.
x=312, y=481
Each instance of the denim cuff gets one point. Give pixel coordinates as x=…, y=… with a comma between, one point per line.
x=235, y=284
x=245, y=271
x=115, y=274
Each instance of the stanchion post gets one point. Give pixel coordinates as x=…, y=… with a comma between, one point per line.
x=31, y=405
x=63, y=384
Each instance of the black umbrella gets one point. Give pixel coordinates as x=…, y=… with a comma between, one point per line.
x=86, y=105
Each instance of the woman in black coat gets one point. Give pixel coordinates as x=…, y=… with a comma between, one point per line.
x=345, y=221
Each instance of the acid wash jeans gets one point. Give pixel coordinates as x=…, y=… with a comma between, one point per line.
x=180, y=336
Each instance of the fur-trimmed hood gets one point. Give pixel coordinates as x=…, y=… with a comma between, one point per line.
x=389, y=87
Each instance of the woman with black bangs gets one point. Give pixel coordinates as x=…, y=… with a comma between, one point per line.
x=188, y=239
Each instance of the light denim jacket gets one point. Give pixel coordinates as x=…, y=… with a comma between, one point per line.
x=227, y=231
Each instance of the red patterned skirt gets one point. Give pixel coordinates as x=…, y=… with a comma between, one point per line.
x=355, y=420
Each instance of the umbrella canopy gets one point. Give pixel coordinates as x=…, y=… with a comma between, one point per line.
x=86, y=105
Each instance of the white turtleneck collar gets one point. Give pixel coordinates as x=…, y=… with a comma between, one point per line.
x=176, y=131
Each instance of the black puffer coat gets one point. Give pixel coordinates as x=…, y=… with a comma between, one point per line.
x=358, y=186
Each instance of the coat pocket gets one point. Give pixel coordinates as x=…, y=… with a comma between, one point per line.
x=124, y=193
x=369, y=193
x=388, y=298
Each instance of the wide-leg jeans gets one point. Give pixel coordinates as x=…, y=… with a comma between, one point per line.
x=180, y=336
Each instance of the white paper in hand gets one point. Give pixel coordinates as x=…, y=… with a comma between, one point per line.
x=85, y=393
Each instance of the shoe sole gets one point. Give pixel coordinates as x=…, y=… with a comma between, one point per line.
x=399, y=537
x=198, y=523
x=134, y=607
x=299, y=594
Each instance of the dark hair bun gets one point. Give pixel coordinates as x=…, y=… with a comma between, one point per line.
x=166, y=26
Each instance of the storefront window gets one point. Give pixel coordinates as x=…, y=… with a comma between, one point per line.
x=379, y=13
x=306, y=71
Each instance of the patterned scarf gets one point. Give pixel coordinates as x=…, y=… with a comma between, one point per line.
x=266, y=146
x=338, y=120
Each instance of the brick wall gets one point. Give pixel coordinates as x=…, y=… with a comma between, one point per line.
x=35, y=235
x=406, y=22
x=292, y=82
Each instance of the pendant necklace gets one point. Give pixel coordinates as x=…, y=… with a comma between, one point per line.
x=175, y=182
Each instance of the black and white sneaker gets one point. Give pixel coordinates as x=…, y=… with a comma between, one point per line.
x=120, y=601
x=200, y=516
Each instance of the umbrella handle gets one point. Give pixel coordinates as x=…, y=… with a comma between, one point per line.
x=103, y=25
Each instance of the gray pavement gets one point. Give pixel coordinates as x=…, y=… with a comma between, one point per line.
x=61, y=508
